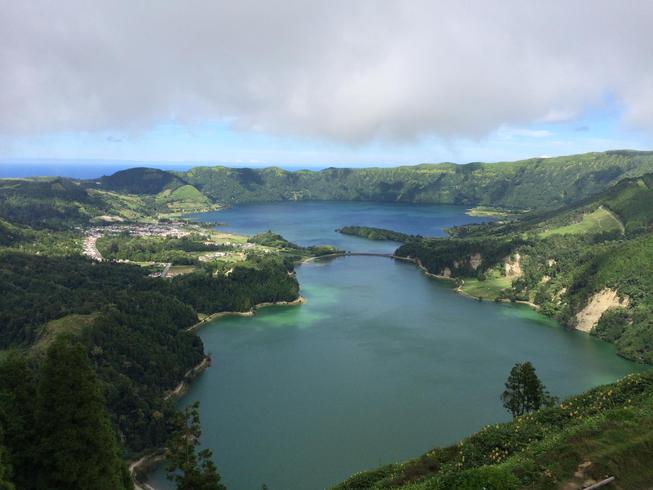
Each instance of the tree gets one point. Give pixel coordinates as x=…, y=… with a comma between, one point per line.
x=77, y=447
x=524, y=391
x=17, y=417
x=189, y=469
x=5, y=470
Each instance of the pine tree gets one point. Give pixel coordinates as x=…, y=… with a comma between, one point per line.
x=189, y=469
x=17, y=418
x=5, y=469
x=524, y=391
x=77, y=446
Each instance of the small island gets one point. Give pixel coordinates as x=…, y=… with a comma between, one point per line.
x=378, y=234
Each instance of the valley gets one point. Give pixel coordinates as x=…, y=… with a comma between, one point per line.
x=177, y=250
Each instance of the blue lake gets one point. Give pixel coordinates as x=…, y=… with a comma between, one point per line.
x=315, y=222
x=379, y=365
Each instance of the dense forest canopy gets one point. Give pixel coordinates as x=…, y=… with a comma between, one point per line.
x=132, y=326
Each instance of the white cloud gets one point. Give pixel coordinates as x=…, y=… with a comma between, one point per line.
x=509, y=133
x=332, y=69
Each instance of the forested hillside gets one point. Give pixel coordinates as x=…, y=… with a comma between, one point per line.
x=132, y=326
x=128, y=331
x=528, y=184
x=538, y=183
x=588, y=265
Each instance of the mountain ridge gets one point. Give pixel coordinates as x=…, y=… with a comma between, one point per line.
x=534, y=183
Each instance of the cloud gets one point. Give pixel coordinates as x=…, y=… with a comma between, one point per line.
x=509, y=133
x=332, y=69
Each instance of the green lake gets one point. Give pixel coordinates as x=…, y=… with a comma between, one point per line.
x=379, y=365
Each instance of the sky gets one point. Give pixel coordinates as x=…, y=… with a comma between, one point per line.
x=321, y=83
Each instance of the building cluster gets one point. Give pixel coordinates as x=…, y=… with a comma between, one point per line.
x=173, y=230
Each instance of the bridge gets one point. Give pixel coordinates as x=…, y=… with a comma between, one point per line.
x=359, y=254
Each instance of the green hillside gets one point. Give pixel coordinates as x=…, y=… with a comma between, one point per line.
x=47, y=203
x=139, y=180
x=587, y=265
x=605, y=432
x=601, y=220
x=528, y=184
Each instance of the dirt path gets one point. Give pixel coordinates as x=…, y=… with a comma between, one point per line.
x=616, y=217
x=189, y=376
x=134, y=467
x=90, y=247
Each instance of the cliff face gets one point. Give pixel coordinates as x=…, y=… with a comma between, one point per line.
x=589, y=316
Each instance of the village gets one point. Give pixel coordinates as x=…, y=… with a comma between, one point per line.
x=176, y=229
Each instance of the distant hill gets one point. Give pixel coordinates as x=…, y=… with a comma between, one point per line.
x=626, y=207
x=537, y=183
x=46, y=202
x=533, y=184
x=140, y=180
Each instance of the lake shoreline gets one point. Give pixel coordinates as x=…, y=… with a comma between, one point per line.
x=248, y=313
x=421, y=267
x=146, y=464
x=341, y=269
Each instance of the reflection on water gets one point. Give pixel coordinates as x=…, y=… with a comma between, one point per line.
x=379, y=365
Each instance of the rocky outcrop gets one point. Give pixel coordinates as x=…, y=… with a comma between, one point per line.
x=513, y=266
x=588, y=317
x=475, y=260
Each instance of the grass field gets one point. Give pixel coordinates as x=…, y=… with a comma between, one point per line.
x=69, y=324
x=598, y=221
x=489, y=289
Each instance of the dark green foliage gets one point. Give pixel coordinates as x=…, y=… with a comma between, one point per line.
x=289, y=249
x=486, y=478
x=632, y=201
x=609, y=425
x=137, y=341
x=46, y=203
x=18, y=395
x=372, y=233
x=139, y=180
x=76, y=444
x=35, y=290
x=612, y=324
x=438, y=254
x=10, y=234
x=189, y=468
x=524, y=391
x=154, y=249
x=263, y=279
x=527, y=184
x=270, y=239
x=140, y=351
x=5, y=469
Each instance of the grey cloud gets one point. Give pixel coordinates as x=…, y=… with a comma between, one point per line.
x=332, y=69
